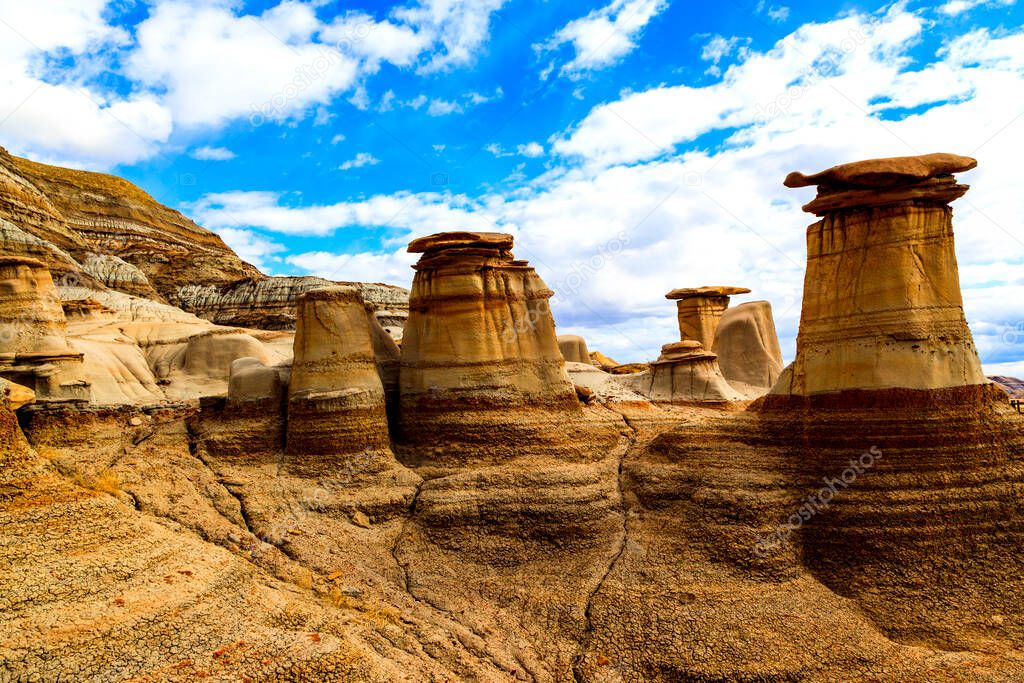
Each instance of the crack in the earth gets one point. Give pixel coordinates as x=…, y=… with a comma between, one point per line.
x=588, y=632
x=194, y=451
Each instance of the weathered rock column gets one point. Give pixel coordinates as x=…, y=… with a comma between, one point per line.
x=685, y=372
x=574, y=348
x=481, y=365
x=882, y=306
x=336, y=410
x=748, y=347
x=700, y=309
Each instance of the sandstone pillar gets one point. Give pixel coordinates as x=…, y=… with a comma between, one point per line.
x=480, y=361
x=882, y=307
x=336, y=410
x=700, y=309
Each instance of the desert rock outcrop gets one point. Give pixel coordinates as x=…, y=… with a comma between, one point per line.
x=685, y=372
x=34, y=349
x=573, y=348
x=882, y=306
x=748, y=347
x=336, y=402
x=700, y=309
x=480, y=360
x=269, y=303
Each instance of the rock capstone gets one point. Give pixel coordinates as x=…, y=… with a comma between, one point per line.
x=700, y=309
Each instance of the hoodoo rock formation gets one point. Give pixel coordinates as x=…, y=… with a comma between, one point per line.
x=336, y=401
x=479, y=354
x=700, y=309
x=748, y=347
x=253, y=504
x=685, y=372
x=882, y=306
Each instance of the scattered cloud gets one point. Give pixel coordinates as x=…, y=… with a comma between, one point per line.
x=604, y=36
x=252, y=247
x=777, y=13
x=422, y=213
x=212, y=154
x=530, y=149
x=443, y=108
x=361, y=159
x=956, y=7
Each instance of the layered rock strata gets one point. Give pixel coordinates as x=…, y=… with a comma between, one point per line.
x=269, y=303
x=700, y=309
x=685, y=372
x=748, y=347
x=481, y=367
x=882, y=306
x=34, y=349
x=94, y=212
x=336, y=401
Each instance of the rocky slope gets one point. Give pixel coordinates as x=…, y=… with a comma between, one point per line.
x=99, y=231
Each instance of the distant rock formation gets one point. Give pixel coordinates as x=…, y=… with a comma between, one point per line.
x=336, y=402
x=882, y=306
x=573, y=348
x=83, y=212
x=748, y=350
x=479, y=356
x=700, y=309
x=685, y=372
x=1011, y=385
x=269, y=303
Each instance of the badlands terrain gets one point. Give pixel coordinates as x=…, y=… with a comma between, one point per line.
x=207, y=473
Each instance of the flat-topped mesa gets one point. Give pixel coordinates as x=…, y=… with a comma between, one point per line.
x=480, y=358
x=700, y=309
x=336, y=408
x=685, y=373
x=882, y=307
x=34, y=350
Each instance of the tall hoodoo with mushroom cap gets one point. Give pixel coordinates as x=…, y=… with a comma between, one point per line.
x=882, y=307
x=479, y=356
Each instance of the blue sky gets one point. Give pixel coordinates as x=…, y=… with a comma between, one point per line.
x=632, y=146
